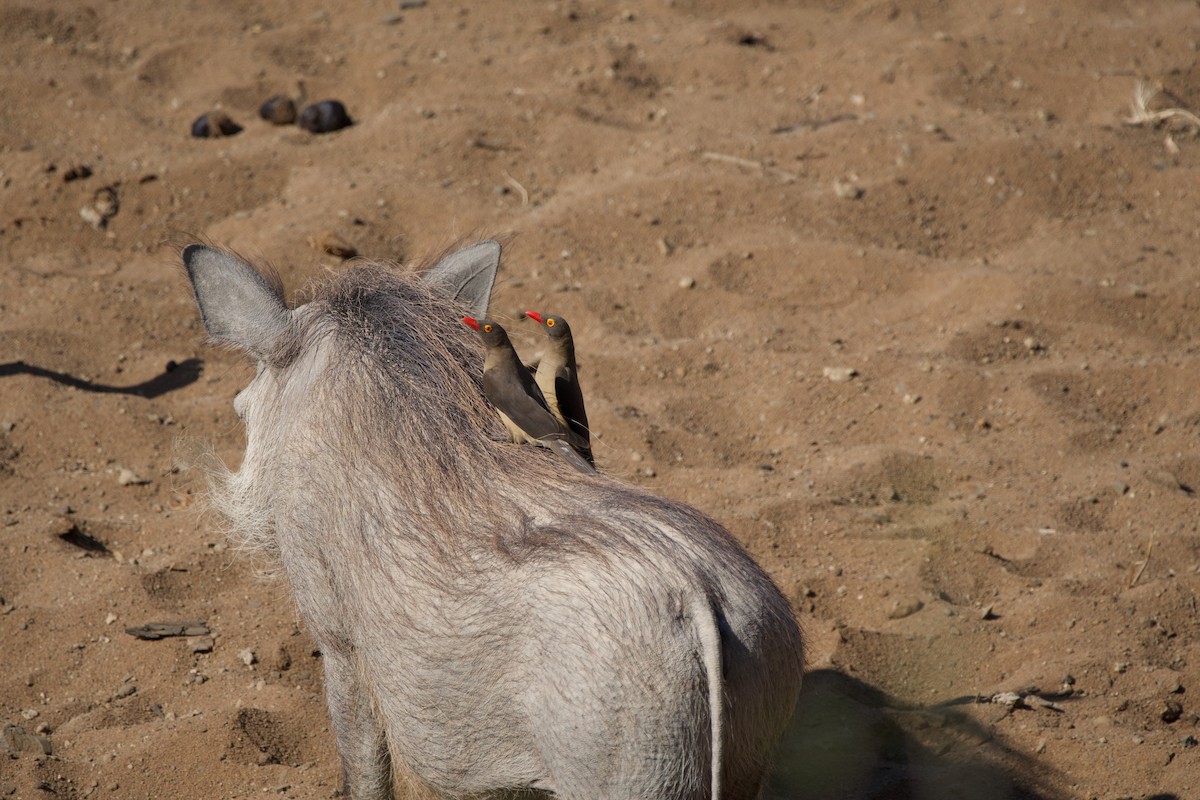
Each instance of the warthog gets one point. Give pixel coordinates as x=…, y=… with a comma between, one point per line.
x=489, y=620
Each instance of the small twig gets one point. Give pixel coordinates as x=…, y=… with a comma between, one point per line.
x=709, y=155
x=815, y=124
x=1141, y=565
x=514, y=183
x=1140, y=113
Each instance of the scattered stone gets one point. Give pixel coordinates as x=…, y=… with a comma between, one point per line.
x=901, y=609
x=104, y=206
x=330, y=243
x=987, y=612
x=125, y=690
x=161, y=630
x=16, y=741
x=278, y=110
x=687, y=283
x=247, y=657
x=201, y=644
x=1172, y=711
x=912, y=399
x=106, y=201
x=839, y=374
x=1121, y=487
x=127, y=477
x=30, y=713
x=214, y=124
x=408, y=5
x=847, y=190
x=325, y=117
x=77, y=172
x=1120, y=667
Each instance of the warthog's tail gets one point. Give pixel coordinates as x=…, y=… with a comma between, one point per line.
x=708, y=628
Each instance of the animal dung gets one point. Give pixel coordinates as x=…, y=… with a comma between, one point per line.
x=213, y=124
x=278, y=110
x=325, y=116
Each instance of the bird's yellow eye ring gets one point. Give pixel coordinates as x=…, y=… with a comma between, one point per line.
x=487, y=328
x=550, y=322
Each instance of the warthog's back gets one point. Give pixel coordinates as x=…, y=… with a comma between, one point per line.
x=489, y=620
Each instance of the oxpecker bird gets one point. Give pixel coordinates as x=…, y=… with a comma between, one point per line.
x=558, y=378
x=510, y=387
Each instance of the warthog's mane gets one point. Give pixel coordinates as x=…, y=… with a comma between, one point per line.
x=412, y=454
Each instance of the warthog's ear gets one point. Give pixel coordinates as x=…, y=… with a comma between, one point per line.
x=237, y=304
x=467, y=275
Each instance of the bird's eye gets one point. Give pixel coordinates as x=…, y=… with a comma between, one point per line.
x=550, y=322
x=487, y=328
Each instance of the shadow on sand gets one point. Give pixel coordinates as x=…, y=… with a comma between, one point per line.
x=850, y=741
x=175, y=376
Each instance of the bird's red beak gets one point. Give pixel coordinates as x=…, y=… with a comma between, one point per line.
x=535, y=316
x=470, y=321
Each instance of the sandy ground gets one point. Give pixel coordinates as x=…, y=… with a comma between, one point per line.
x=888, y=287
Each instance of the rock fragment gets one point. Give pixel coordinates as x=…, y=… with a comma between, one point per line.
x=325, y=117
x=161, y=630
x=839, y=374
x=278, y=110
x=17, y=741
x=214, y=124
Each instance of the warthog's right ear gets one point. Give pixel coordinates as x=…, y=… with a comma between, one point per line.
x=467, y=275
x=237, y=304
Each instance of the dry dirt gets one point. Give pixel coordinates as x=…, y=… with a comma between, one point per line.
x=889, y=287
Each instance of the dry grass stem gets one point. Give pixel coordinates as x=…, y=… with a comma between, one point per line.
x=787, y=177
x=1140, y=566
x=515, y=184
x=1140, y=112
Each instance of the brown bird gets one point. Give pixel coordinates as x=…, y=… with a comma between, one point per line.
x=558, y=378
x=510, y=387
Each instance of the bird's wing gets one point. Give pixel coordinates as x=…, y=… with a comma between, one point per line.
x=521, y=401
x=570, y=455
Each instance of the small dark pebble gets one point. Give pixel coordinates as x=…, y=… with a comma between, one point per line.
x=278, y=110
x=325, y=116
x=77, y=172
x=1189, y=741
x=214, y=123
x=1172, y=711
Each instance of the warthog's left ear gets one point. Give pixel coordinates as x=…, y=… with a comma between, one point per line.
x=467, y=275
x=238, y=304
